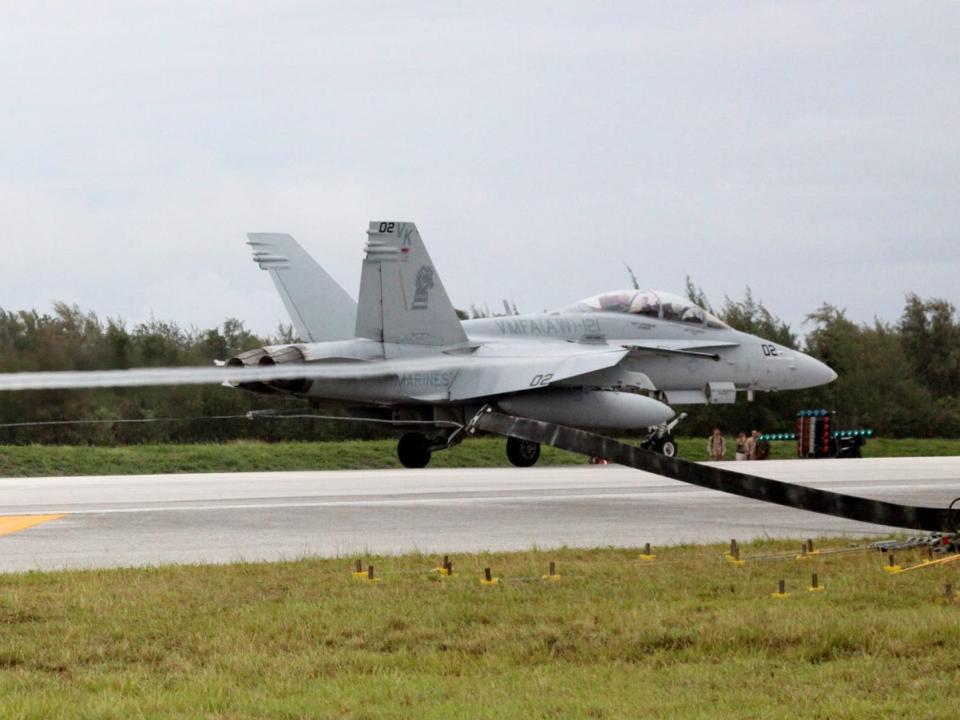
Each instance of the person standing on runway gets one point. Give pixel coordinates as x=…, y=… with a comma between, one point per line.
x=716, y=446
x=741, y=453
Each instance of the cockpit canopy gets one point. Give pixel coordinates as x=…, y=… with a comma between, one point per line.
x=650, y=303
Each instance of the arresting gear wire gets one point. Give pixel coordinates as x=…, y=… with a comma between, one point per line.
x=252, y=415
x=714, y=478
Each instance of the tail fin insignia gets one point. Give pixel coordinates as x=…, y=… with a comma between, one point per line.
x=402, y=299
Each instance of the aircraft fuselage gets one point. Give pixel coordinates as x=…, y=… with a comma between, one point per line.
x=744, y=361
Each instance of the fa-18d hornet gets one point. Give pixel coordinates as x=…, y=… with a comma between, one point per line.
x=615, y=361
x=401, y=355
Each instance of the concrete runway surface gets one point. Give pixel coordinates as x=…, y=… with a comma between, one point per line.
x=70, y=522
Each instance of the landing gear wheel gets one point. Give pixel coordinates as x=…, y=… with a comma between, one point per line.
x=522, y=453
x=413, y=450
x=668, y=447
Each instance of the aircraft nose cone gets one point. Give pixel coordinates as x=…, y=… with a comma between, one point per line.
x=816, y=373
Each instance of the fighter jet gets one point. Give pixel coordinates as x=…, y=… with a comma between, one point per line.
x=615, y=361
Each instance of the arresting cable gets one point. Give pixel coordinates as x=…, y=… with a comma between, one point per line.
x=713, y=478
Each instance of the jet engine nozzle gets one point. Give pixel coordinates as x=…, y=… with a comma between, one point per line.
x=250, y=358
x=282, y=356
x=261, y=357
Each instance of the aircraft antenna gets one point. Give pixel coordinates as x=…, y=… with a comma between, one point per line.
x=633, y=278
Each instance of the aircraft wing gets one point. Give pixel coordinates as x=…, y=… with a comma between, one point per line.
x=518, y=369
x=474, y=375
x=165, y=376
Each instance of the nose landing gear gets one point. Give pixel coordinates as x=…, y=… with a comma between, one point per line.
x=667, y=446
x=660, y=438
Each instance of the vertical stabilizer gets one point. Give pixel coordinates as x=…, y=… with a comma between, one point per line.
x=402, y=299
x=319, y=308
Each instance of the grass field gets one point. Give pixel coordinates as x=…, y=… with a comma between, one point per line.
x=37, y=460
x=688, y=635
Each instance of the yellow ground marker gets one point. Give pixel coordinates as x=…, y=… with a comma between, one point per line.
x=781, y=592
x=892, y=567
x=647, y=555
x=488, y=578
x=10, y=524
x=551, y=573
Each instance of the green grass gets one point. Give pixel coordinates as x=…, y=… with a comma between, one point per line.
x=34, y=460
x=688, y=635
x=39, y=460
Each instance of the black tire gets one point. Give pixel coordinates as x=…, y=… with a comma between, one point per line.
x=522, y=453
x=413, y=450
x=668, y=447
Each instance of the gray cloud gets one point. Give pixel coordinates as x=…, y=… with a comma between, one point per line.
x=808, y=150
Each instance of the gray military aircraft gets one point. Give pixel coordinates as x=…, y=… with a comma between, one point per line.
x=401, y=355
x=615, y=361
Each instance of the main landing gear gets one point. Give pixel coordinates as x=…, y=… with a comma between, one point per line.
x=413, y=450
x=522, y=453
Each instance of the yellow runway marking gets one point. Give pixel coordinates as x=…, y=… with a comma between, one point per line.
x=15, y=523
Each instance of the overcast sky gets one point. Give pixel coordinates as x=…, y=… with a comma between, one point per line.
x=808, y=150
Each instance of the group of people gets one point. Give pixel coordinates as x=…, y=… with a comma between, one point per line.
x=748, y=447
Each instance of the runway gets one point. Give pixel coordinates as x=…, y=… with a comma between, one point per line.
x=81, y=522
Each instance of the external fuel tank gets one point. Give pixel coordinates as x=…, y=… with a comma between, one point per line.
x=602, y=409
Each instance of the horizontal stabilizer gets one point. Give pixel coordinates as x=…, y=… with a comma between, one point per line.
x=318, y=307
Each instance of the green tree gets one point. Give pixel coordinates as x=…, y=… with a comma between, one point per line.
x=930, y=337
x=876, y=386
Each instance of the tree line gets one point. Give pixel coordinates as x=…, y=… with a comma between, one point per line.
x=901, y=379
x=69, y=338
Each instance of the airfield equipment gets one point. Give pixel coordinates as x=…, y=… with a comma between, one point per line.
x=817, y=439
